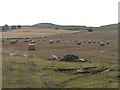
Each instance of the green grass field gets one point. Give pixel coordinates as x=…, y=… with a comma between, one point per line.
x=21, y=72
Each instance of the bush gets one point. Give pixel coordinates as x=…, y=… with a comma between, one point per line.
x=5, y=27
x=19, y=26
x=57, y=28
x=90, y=30
x=13, y=27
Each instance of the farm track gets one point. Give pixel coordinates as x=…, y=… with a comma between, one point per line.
x=12, y=71
x=48, y=81
x=44, y=76
x=9, y=67
x=29, y=70
x=70, y=80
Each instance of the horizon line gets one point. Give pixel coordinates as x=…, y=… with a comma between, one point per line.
x=58, y=24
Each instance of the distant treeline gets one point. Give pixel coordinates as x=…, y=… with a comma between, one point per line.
x=6, y=27
x=54, y=26
x=65, y=27
x=71, y=27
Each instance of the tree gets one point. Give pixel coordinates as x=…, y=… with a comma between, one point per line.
x=90, y=30
x=5, y=27
x=19, y=26
x=56, y=28
x=13, y=27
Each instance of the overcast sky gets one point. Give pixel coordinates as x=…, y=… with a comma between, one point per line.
x=61, y=12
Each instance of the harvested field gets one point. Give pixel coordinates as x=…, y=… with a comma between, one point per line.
x=31, y=32
x=33, y=69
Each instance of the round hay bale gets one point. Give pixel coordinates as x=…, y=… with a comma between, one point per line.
x=51, y=41
x=98, y=41
x=27, y=40
x=102, y=44
x=107, y=42
x=94, y=41
x=89, y=41
x=13, y=41
x=43, y=40
x=84, y=41
x=78, y=43
x=31, y=46
x=32, y=41
x=57, y=41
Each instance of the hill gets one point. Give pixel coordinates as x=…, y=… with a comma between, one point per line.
x=46, y=25
x=69, y=27
x=107, y=27
x=74, y=27
x=54, y=26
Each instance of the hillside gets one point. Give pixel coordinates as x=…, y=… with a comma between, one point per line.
x=46, y=25
x=107, y=27
x=54, y=26
x=69, y=27
x=74, y=27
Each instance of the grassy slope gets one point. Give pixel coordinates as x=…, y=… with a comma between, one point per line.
x=72, y=27
x=112, y=27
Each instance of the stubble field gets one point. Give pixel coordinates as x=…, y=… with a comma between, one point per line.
x=33, y=69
